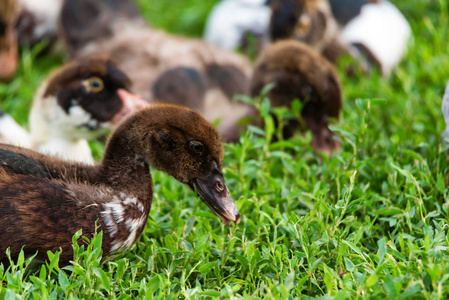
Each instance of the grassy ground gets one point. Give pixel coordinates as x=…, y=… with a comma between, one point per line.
x=369, y=222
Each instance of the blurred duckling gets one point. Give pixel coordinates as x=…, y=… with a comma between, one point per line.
x=299, y=72
x=374, y=32
x=44, y=201
x=161, y=66
x=379, y=33
x=308, y=21
x=37, y=21
x=231, y=21
x=81, y=100
x=8, y=40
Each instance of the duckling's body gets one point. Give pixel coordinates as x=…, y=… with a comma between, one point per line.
x=298, y=72
x=380, y=33
x=155, y=61
x=68, y=110
x=44, y=201
x=13, y=133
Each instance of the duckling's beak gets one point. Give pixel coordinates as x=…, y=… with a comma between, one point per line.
x=131, y=102
x=214, y=192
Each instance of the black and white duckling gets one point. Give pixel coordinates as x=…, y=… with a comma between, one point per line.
x=299, y=72
x=379, y=34
x=81, y=100
x=162, y=67
x=231, y=21
x=44, y=200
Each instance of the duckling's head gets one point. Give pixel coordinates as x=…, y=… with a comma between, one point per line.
x=181, y=143
x=82, y=99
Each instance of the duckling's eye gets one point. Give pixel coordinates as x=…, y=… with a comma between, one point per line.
x=196, y=147
x=94, y=84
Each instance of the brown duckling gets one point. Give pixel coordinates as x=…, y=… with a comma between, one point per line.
x=163, y=67
x=44, y=201
x=81, y=100
x=299, y=72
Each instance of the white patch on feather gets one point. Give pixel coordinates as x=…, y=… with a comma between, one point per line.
x=114, y=214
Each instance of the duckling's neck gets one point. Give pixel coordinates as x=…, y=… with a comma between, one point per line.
x=124, y=168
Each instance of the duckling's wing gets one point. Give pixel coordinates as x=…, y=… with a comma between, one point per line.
x=20, y=164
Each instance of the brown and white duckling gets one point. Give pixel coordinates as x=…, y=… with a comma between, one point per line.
x=300, y=73
x=81, y=100
x=162, y=67
x=308, y=21
x=44, y=201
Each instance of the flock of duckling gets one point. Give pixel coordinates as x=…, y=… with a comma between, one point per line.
x=159, y=93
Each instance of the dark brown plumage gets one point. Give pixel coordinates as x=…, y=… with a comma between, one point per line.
x=299, y=72
x=44, y=201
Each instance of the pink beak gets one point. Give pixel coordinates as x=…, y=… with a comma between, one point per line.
x=131, y=103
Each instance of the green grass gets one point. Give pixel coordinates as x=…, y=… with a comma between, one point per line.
x=369, y=222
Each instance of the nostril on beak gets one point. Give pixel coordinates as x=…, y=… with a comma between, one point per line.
x=219, y=186
x=237, y=217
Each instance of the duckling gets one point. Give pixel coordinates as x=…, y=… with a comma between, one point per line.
x=81, y=100
x=8, y=40
x=44, y=200
x=383, y=43
x=231, y=20
x=37, y=21
x=308, y=21
x=345, y=28
x=299, y=72
x=162, y=67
